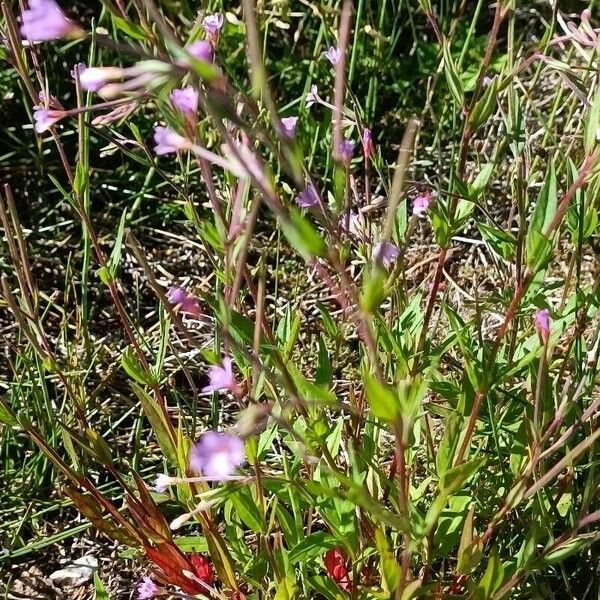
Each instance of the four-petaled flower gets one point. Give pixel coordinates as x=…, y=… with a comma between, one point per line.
x=289, y=126
x=308, y=197
x=333, y=55
x=542, y=323
x=44, y=20
x=421, y=204
x=217, y=455
x=312, y=96
x=221, y=377
x=162, y=483
x=46, y=117
x=387, y=253
x=204, y=569
x=168, y=141
x=147, y=589
x=184, y=301
x=185, y=100
x=212, y=24
x=335, y=564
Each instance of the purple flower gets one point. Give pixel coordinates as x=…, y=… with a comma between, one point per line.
x=542, y=323
x=201, y=50
x=312, y=96
x=147, y=589
x=367, y=141
x=421, y=204
x=46, y=117
x=44, y=20
x=220, y=377
x=184, y=301
x=289, y=125
x=217, y=455
x=387, y=253
x=308, y=197
x=212, y=24
x=333, y=55
x=346, y=150
x=77, y=69
x=168, y=141
x=185, y=100
x=93, y=79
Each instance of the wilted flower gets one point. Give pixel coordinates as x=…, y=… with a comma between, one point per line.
x=542, y=323
x=185, y=100
x=346, y=150
x=289, y=125
x=354, y=223
x=204, y=569
x=333, y=55
x=201, y=50
x=93, y=79
x=221, y=377
x=77, y=69
x=367, y=141
x=184, y=301
x=387, y=253
x=44, y=20
x=168, y=141
x=212, y=24
x=217, y=455
x=46, y=117
x=147, y=589
x=308, y=197
x=335, y=564
x=421, y=204
x=312, y=96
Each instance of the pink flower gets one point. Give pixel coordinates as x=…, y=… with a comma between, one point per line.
x=312, y=96
x=367, y=141
x=308, y=197
x=221, y=377
x=387, y=253
x=46, y=117
x=201, y=50
x=184, y=301
x=44, y=20
x=346, y=150
x=147, y=589
x=168, y=141
x=185, y=100
x=217, y=455
x=421, y=204
x=93, y=79
x=289, y=125
x=542, y=323
x=333, y=55
x=212, y=24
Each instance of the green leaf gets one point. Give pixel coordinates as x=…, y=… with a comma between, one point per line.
x=492, y=578
x=382, y=399
x=323, y=374
x=591, y=125
x=156, y=419
x=302, y=235
x=247, y=510
x=286, y=589
x=134, y=369
x=129, y=28
x=538, y=245
x=452, y=77
x=484, y=107
x=100, y=592
x=454, y=478
x=312, y=546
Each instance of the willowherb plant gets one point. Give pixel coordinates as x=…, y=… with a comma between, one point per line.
x=413, y=416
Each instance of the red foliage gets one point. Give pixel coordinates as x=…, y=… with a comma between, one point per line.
x=335, y=563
